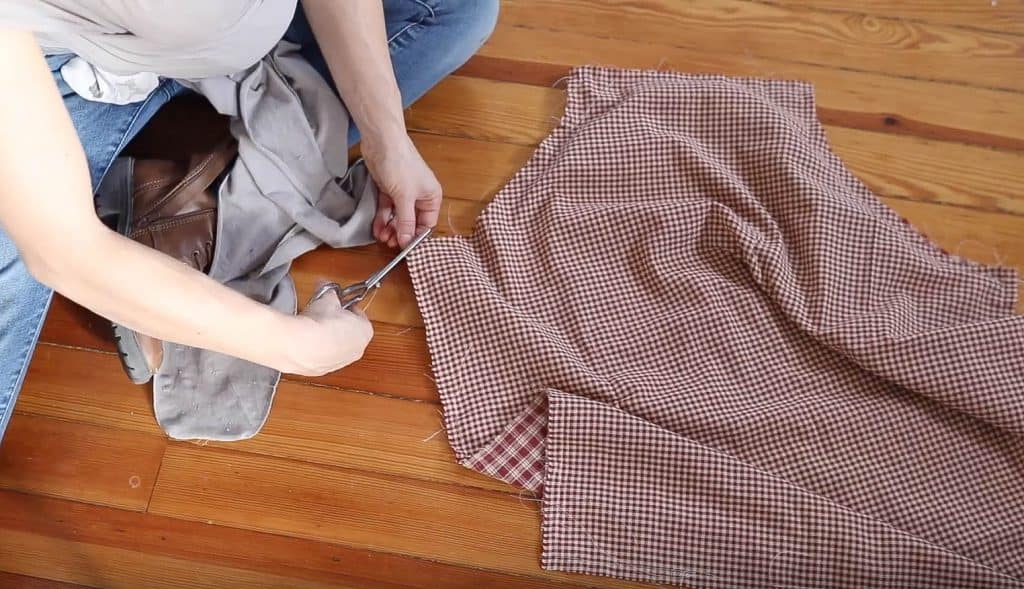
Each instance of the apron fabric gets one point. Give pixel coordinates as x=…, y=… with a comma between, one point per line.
x=721, y=360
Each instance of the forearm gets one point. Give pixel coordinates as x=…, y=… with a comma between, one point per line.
x=46, y=208
x=154, y=294
x=353, y=39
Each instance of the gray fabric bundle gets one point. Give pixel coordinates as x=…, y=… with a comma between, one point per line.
x=288, y=192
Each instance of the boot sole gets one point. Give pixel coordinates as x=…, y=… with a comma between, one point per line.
x=116, y=192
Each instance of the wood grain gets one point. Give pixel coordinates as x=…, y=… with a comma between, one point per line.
x=78, y=461
x=86, y=544
x=470, y=170
x=994, y=15
x=987, y=238
x=742, y=30
x=860, y=99
x=12, y=581
x=116, y=568
x=456, y=525
x=932, y=171
x=314, y=424
x=396, y=363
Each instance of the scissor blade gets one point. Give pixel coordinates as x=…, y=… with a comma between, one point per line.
x=380, y=274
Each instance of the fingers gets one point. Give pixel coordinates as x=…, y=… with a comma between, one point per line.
x=382, y=220
x=428, y=211
x=405, y=220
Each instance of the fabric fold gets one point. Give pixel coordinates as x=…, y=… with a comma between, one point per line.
x=722, y=359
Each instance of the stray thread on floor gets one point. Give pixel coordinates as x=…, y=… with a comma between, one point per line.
x=451, y=226
x=373, y=296
x=404, y=331
x=521, y=497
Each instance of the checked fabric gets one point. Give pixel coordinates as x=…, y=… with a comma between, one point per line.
x=723, y=361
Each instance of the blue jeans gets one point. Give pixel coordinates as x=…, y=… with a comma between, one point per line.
x=428, y=40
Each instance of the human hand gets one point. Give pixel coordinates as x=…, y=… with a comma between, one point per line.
x=409, y=195
x=326, y=338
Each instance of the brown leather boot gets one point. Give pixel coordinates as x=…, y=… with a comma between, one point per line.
x=167, y=202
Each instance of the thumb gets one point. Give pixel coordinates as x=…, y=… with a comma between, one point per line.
x=405, y=220
x=326, y=306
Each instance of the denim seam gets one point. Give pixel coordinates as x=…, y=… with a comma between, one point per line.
x=23, y=359
x=431, y=14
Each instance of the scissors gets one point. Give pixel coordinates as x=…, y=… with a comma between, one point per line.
x=352, y=294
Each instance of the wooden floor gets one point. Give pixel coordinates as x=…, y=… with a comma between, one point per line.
x=351, y=484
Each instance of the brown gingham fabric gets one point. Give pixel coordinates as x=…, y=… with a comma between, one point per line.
x=723, y=360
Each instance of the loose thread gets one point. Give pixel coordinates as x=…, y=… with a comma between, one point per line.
x=434, y=435
x=520, y=496
x=559, y=81
x=451, y=226
x=404, y=331
x=960, y=245
x=1000, y=260
x=373, y=296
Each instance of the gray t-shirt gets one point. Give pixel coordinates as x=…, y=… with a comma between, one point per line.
x=180, y=39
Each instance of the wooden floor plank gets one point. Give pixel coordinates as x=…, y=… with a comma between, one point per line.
x=396, y=363
x=87, y=544
x=13, y=581
x=741, y=28
x=932, y=171
x=79, y=461
x=456, y=525
x=1005, y=16
x=938, y=110
x=471, y=170
x=987, y=238
x=107, y=567
x=313, y=424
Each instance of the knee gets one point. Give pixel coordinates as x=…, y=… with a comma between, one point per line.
x=472, y=22
x=484, y=19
